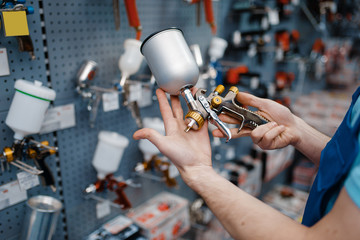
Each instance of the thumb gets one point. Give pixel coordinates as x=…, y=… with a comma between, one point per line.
x=150, y=134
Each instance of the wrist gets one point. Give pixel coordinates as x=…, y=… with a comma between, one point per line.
x=299, y=128
x=196, y=176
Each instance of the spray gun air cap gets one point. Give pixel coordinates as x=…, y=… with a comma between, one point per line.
x=170, y=60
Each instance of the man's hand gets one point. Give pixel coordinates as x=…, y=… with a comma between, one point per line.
x=280, y=132
x=186, y=150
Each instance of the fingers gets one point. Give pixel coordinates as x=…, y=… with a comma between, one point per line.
x=265, y=135
x=234, y=133
x=227, y=119
x=176, y=107
x=164, y=106
x=194, y=90
x=149, y=134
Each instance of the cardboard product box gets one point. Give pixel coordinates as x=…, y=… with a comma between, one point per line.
x=119, y=228
x=163, y=217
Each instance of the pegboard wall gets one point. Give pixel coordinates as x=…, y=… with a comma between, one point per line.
x=64, y=34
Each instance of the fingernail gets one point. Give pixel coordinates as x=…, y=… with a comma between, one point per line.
x=274, y=124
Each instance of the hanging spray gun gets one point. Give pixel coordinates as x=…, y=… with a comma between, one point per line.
x=106, y=161
x=176, y=72
x=129, y=63
x=25, y=117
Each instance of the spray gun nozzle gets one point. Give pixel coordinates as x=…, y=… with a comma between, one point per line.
x=190, y=125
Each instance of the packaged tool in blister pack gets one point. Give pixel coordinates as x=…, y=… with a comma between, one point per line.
x=165, y=216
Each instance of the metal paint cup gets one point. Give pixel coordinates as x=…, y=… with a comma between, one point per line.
x=86, y=73
x=41, y=216
x=170, y=60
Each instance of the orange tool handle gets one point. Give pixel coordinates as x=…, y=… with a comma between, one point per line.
x=133, y=16
x=295, y=35
x=232, y=75
x=209, y=15
x=318, y=46
x=283, y=39
x=122, y=199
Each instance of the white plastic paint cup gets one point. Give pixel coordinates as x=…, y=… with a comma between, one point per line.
x=130, y=61
x=108, y=153
x=28, y=107
x=217, y=48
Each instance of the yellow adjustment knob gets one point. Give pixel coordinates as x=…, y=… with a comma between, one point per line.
x=46, y=143
x=31, y=153
x=220, y=89
x=197, y=117
x=234, y=89
x=52, y=151
x=8, y=153
x=216, y=101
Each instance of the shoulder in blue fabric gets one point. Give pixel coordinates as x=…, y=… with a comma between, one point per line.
x=336, y=160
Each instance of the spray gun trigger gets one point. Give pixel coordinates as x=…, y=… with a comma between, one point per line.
x=215, y=119
x=221, y=126
x=242, y=123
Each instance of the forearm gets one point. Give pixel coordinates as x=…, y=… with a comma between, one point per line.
x=242, y=215
x=310, y=142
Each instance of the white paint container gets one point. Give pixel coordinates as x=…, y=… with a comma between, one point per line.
x=28, y=107
x=108, y=153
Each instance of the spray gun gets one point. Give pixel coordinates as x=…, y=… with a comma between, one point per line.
x=176, y=72
x=151, y=157
x=129, y=63
x=25, y=117
x=84, y=79
x=107, y=157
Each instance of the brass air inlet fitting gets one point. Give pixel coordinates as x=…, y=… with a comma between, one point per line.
x=196, y=116
x=219, y=89
x=234, y=89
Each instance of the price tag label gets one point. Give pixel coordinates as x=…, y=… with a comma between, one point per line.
x=146, y=96
x=58, y=118
x=4, y=63
x=273, y=17
x=135, y=92
x=110, y=101
x=102, y=209
x=11, y=194
x=27, y=180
